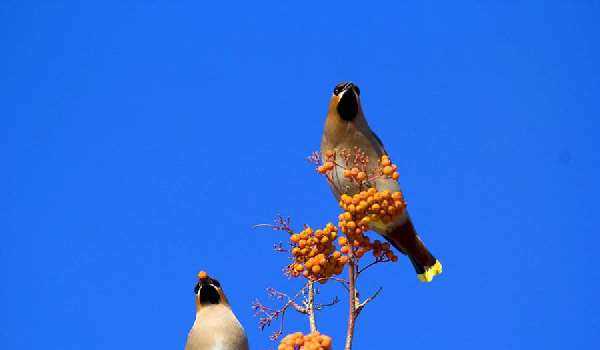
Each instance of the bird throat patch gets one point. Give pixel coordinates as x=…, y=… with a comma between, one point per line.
x=209, y=295
x=348, y=106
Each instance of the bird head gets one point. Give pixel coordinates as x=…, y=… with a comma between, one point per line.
x=208, y=291
x=345, y=101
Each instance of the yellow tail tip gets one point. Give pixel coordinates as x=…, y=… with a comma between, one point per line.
x=431, y=272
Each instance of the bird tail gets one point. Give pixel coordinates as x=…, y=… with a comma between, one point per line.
x=405, y=239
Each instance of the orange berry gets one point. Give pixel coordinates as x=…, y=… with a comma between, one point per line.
x=347, y=173
x=345, y=249
x=328, y=165
x=294, y=238
x=298, y=267
x=342, y=240
x=355, y=171
x=325, y=341
x=387, y=170
x=395, y=175
x=361, y=176
x=316, y=269
x=329, y=154
x=346, y=198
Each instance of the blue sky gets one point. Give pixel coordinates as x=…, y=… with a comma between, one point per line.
x=141, y=141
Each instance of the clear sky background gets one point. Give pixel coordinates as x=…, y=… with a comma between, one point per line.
x=141, y=141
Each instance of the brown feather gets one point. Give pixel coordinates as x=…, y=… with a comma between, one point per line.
x=404, y=238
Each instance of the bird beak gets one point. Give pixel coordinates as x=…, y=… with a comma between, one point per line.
x=348, y=105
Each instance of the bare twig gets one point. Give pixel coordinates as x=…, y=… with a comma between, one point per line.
x=368, y=300
x=281, y=224
x=377, y=260
x=333, y=302
x=269, y=315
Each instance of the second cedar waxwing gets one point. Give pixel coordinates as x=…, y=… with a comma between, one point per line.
x=347, y=128
x=216, y=327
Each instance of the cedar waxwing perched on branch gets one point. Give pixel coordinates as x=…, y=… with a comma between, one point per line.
x=216, y=327
x=347, y=128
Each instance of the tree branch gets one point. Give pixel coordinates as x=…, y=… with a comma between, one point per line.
x=352, y=301
x=310, y=307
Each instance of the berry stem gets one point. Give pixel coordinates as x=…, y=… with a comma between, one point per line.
x=352, y=301
x=310, y=308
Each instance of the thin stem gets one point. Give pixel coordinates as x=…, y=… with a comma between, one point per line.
x=310, y=308
x=368, y=300
x=375, y=262
x=352, y=302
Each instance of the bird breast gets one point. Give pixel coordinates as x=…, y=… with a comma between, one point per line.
x=216, y=328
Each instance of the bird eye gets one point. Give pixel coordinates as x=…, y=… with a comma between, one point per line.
x=338, y=89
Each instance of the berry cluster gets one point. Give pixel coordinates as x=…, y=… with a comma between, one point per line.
x=361, y=210
x=312, y=341
x=388, y=168
x=314, y=254
x=326, y=167
x=356, y=166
